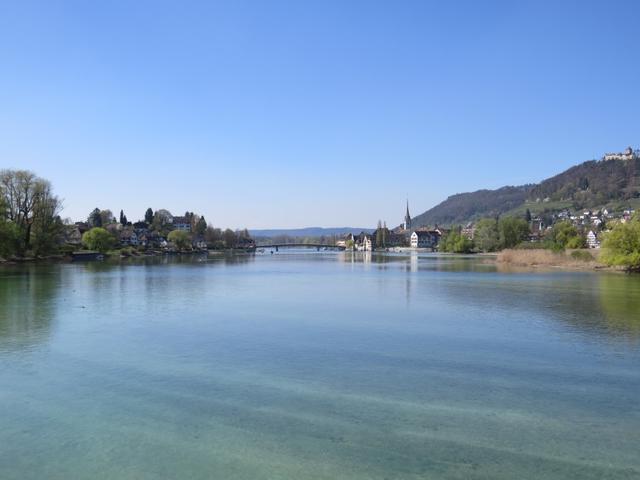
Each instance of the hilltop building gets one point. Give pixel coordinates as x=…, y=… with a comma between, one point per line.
x=628, y=154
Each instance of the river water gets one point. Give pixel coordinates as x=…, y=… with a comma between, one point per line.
x=317, y=366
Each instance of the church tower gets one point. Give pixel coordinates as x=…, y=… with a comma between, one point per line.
x=407, y=218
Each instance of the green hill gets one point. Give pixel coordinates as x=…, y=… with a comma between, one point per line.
x=594, y=184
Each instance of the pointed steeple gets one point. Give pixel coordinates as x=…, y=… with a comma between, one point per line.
x=407, y=218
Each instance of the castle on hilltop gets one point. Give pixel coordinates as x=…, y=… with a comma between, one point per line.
x=628, y=154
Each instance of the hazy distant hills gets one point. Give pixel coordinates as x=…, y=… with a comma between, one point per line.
x=592, y=184
x=307, y=232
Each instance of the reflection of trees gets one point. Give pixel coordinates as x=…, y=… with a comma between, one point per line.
x=27, y=298
x=620, y=300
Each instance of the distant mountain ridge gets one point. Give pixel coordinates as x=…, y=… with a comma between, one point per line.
x=591, y=184
x=307, y=231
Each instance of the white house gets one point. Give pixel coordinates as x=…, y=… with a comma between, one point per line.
x=181, y=223
x=425, y=239
x=367, y=244
x=592, y=240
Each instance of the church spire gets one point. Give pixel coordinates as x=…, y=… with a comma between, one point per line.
x=407, y=218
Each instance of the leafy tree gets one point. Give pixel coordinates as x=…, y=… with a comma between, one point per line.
x=487, y=237
x=180, y=239
x=148, y=216
x=9, y=238
x=621, y=246
x=565, y=235
x=455, y=242
x=98, y=239
x=26, y=199
x=512, y=231
x=527, y=216
x=47, y=225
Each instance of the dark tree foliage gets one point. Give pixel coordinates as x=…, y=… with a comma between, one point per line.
x=465, y=207
x=95, y=218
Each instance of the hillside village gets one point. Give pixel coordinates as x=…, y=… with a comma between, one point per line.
x=588, y=224
x=154, y=232
x=551, y=214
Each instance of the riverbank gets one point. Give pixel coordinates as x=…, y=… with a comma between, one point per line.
x=542, y=258
x=117, y=255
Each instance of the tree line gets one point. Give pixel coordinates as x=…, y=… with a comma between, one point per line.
x=31, y=226
x=495, y=234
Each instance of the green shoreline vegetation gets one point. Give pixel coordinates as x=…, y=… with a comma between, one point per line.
x=563, y=245
x=31, y=227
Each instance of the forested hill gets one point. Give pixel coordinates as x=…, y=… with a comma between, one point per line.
x=464, y=207
x=591, y=184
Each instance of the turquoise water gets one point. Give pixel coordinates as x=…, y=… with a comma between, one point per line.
x=317, y=366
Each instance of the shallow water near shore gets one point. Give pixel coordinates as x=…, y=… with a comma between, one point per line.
x=317, y=366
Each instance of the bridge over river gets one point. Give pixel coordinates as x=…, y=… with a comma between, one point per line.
x=317, y=246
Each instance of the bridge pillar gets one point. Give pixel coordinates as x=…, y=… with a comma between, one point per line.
x=276, y=248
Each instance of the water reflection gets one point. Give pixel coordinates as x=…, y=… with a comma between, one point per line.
x=27, y=304
x=620, y=301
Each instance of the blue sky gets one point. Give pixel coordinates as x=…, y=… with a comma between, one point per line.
x=299, y=113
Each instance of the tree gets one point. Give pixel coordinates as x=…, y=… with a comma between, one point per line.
x=47, y=225
x=123, y=219
x=379, y=235
x=527, y=216
x=566, y=235
x=212, y=235
x=98, y=239
x=148, y=216
x=162, y=219
x=455, y=242
x=24, y=197
x=230, y=238
x=487, y=237
x=95, y=219
x=107, y=217
x=512, y=231
x=180, y=239
x=201, y=226
x=9, y=238
x=621, y=246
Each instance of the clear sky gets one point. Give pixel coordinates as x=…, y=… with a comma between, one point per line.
x=310, y=113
